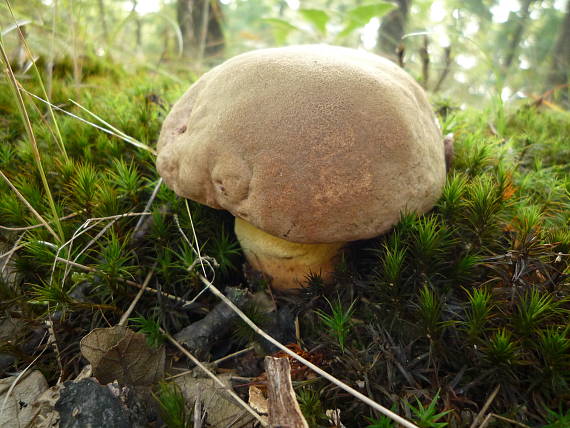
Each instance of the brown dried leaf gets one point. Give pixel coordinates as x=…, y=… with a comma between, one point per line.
x=15, y=408
x=258, y=401
x=118, y=353
x=219, y=406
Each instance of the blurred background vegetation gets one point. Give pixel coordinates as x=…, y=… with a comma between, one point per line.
x=471, y=51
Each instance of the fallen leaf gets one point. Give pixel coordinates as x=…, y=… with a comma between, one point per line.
x=220, y=408
x=16, y=408
x=258, y=401
x=118, y=353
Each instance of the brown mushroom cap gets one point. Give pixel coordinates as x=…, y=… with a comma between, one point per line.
x=312, y=144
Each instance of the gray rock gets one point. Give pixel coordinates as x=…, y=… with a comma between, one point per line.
x=87, y=404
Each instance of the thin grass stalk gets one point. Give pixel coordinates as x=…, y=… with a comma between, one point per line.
x=213, y=363
x=18, y=378
x=30, y=207
x=124, y=281
x=121, y=135
x=485, y=407
x=147, y=206
x=28, y=125
x=37, y=226
x=10, y=253
x=59, y=138
x=126, y=137
x=127, y=314
x=214, y=378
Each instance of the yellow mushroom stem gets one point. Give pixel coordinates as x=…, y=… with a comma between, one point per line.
x=286, y=263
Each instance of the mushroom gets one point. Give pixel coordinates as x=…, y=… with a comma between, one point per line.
x=309, y=147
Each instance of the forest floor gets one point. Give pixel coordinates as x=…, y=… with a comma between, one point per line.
x=455, y=317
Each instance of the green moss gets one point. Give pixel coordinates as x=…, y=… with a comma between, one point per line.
x=473, y=294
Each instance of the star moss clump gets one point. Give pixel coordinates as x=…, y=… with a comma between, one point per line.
x=432, y=317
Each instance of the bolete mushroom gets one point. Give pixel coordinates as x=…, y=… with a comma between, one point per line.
x=309, y=147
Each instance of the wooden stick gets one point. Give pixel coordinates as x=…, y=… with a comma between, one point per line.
x=284, y=411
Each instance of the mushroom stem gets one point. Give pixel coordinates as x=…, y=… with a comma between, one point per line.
x=286, y=263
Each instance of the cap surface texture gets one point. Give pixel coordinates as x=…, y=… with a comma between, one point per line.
x=312, y=144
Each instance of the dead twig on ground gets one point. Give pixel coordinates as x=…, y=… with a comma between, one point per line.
x=284, y=409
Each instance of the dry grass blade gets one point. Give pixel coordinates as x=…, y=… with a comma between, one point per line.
x=502, y=418
x=29, y=131
x=485, y=407
x=307, y=363
x=85, y=227
x=213, y=363
x=125, y=137
x=17, y=24
x=147, y=206
x=121, y=135
x=124, y=281
x=4, y=264
x=22, y=374
x=34, y=212
x=37, y=226
x=127, y=314
x=213, y=377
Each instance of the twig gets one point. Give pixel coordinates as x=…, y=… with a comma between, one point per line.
x=213, y=377
x=127, y=314
x=284, y=409
x=485, y=406
x=307, y=363
x=235, y=354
